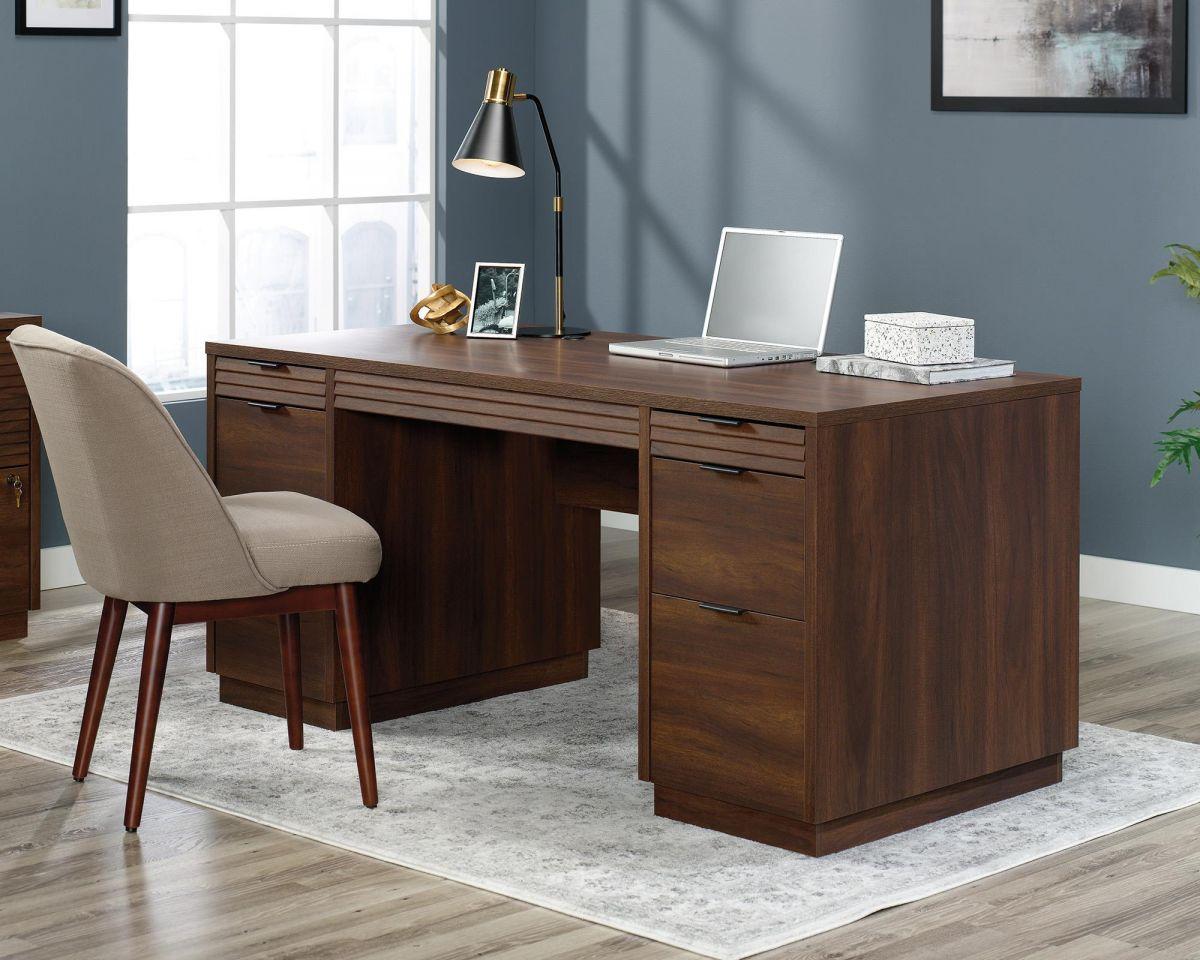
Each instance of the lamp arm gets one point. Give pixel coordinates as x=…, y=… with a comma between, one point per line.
x=549, y=139
x=559, y=309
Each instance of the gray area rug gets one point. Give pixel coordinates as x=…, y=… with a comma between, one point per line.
x=535, y=796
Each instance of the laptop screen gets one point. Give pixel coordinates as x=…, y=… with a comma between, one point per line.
x=773, y=287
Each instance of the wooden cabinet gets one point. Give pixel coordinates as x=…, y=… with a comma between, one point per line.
x=269, y=446
x=728, y=535
x=728, y=695
x=858, y=599
x=267, y=431
x=878, y=632
x=20, y=493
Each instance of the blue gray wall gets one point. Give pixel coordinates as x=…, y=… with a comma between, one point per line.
x=63, y=113
x=677, y=117
x=62, y=193
x=480, y=218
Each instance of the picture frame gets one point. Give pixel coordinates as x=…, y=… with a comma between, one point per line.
x=496, y=300
x=1132, y=59
x=61, y=18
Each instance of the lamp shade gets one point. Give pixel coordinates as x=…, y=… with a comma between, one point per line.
x=491, y=148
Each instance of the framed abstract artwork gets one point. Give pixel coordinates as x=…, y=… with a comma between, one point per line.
x=1073, y=56
x=69, y=18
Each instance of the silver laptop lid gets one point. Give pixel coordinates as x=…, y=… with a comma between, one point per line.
x=773, y=286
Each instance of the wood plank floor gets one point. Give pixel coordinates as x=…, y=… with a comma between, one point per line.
x=199, y=884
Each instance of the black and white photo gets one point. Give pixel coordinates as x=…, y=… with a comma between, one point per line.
x=496, y=300
x=1102, y=56
x=69, y=18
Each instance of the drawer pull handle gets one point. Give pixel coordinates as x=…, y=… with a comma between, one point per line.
x=717, y=468
x=722, y=421
x=265, y=364
x=721, y=608
x=264, y=406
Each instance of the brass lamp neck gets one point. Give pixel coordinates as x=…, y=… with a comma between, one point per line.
x=500, y=86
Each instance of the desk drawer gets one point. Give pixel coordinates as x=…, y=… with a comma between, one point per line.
x=260, y=448
x=270, y=382
x=736, y=443
x=735, y=538
x=14, y=436
x=586, y=421
x=727, y=710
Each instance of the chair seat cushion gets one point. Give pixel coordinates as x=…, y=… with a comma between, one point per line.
x=297, y=541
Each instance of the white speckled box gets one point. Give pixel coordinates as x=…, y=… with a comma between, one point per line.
x=919, y=338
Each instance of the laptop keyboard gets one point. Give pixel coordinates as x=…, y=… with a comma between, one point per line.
x=743, y=346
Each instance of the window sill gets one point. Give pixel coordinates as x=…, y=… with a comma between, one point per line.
x=178, y=396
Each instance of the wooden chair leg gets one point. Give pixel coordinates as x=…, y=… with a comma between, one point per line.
x=154, y=672
x=112, y=621
x=293, y=696
x=357, y=696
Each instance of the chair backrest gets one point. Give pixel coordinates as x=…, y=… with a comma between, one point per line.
x=145, y=521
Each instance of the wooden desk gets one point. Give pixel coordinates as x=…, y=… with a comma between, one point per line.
x=859, y=599
x=20, y=516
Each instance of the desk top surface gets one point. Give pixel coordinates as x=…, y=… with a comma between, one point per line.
x=786, y=392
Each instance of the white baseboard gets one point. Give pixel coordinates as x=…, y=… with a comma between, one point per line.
x=59, y=568
x=1142, y=584
x=619, y=521
x=1101, y=578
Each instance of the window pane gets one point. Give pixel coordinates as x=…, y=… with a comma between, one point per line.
x=386, y=9
x=384, y=261
x=285, y=8
x=176, y=263
x=284, y=268
x=284, y=112
x=385, y=113
x=178, y=113
x=204, y=8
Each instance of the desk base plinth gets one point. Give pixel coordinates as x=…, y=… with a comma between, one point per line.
x=332, y=715
x=819, y=839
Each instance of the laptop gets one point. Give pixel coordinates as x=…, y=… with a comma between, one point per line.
x=769, y=302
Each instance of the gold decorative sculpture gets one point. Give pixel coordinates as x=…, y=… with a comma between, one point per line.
x=447, y=309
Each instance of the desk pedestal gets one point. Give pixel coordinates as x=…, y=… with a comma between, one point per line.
x=489, y=585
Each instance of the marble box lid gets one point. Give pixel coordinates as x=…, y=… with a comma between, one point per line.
x=919, y=320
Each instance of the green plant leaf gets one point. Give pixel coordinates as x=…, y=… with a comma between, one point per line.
x=1184, y=265
x=1176, y=447
x=1185, y=406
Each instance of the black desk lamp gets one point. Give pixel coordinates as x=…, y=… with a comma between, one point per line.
x=491, y=149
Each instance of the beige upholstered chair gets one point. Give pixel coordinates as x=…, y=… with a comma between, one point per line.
x=149, y=528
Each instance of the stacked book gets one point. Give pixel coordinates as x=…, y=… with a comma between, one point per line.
x=918, y=348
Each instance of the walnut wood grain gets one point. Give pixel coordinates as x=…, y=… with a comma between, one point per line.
x=945, y=555
x=740, y=443
x=268, y=449
x=856, y=514
x=736, y=539
x=578, y=420
x=821, y=839
x=728, y=700
x=467, y=516
x=334, y=715
x=596, y=477
x=645, y=605
x=20, y=528
x=287, y=383
x=790, y=393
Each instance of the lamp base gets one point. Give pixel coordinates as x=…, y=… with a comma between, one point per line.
x=568, y=333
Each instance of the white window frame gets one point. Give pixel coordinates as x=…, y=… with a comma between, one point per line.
x=332, y=204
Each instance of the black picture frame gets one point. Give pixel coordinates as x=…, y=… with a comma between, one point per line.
x=23, y=30
x=1176, y=103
